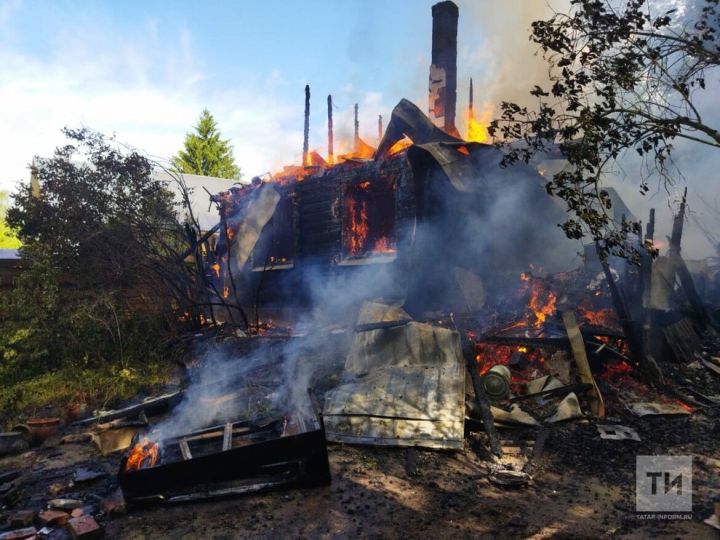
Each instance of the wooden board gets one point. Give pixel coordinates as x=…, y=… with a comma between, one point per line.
x=583, y=366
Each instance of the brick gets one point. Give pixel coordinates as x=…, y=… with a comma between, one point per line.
x=114, y=505
x=84, y=528
x=77, y=512
x=19, y=534
x=53, y=518
x=21, y=519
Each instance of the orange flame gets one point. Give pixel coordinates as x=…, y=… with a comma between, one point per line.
x=358, y=226
x=144, y=454
x=605, y=317
x=685, y=406
x=477, y=130
x=399, y=146
x=542, y=307
x=382, y=245
x=542, y=300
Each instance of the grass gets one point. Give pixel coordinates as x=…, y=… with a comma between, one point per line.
x=50, y=393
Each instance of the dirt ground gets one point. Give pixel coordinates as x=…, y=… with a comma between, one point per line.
x=581, y=487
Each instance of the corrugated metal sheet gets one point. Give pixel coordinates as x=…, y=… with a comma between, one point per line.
x=403, y=386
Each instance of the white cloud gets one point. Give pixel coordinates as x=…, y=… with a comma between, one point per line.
x=148, y=90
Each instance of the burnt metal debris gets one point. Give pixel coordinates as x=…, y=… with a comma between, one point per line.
x=234, y=458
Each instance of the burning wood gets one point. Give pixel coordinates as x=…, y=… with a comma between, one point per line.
x=143, y=455
x=287, y=450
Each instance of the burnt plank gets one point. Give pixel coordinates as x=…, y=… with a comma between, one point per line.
x=321, y=228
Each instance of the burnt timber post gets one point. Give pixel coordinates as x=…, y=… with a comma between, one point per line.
x=306, y=132
x=681, y=268
x=651, y=335
x=357, y=130
x=331, y=157
x=443, y=69
x=470, y=97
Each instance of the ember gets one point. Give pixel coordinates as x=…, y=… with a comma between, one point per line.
x=604, y=317
x=145, y=454
x=615, y=370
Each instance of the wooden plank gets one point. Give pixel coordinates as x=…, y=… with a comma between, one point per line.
x=318, y=207
x=227, y=437
x=321, y=228
x=683, y=340
x=321, y=244
x=481, y=399
x=185, y=449
x=597, y=406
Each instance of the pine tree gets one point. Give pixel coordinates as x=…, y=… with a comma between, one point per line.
x=205, y=152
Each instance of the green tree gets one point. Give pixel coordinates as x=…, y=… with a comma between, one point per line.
x=105, y=280
x=205, y=152
x=8, y=238
x=625, y=76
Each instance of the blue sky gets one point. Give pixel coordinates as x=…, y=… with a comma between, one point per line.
x=145, y=70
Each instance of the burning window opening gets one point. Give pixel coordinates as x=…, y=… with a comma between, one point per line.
x=369, y=227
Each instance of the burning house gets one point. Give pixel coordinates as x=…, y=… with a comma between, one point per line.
x=414, y=295
x=438, y=261
x=424, y=205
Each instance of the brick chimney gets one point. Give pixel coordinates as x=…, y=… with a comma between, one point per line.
x=443, y=69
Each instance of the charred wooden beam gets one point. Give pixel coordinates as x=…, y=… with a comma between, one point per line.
x=306, y=131
x=681, y=269
x=650, y=231
x=331, y=155
x=481, y=399
x=677, y=229
x=357, y=130
x=204, y=238
x=561, y=391
x=577, y=344
x=470, y=97
x=185, y=449
x=631, y=330
x=227, y=436
x=382, y=325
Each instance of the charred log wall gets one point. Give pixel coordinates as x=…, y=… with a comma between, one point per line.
x=320, y=227
x=454, y=210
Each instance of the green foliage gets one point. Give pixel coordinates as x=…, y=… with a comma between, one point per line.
x=623, y=77
x=104, y=285
x=100, y=387
x=8, y=238
x=205, y=153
